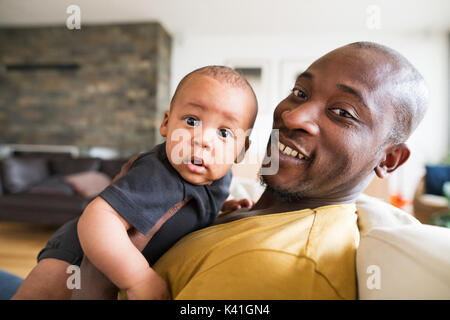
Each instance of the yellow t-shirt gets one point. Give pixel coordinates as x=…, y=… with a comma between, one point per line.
x=307, y=254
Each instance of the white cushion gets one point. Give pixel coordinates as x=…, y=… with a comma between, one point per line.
x=398, y=257
x=245, y=188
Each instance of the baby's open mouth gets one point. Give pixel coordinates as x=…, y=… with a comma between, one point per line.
x=196, y=165
x=197, y=161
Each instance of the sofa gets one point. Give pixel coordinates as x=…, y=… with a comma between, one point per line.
x=51, y=188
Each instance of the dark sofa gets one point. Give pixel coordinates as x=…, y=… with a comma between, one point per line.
x=34, y=188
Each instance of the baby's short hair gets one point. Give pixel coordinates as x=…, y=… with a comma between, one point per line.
x=223, y=74
x=220, y=73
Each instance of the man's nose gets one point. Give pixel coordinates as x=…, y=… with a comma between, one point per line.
x=302, y=117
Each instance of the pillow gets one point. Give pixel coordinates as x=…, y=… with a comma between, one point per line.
x=435, y=178
x=88, y=184
x=405, y=262
x=241, y=188
x=66, y=166
x=398, y=257
x=19, y=174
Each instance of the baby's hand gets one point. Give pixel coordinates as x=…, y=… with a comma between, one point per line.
x=232, y=205
x=150, y=287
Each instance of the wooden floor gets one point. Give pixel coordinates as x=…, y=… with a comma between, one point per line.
x=19, y=245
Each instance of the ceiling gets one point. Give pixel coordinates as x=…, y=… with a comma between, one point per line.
x=238, y=16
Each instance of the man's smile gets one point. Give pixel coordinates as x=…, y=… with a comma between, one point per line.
x=291, y=151
x=291, y=155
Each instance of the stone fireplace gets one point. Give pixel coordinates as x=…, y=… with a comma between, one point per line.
x=101, y=86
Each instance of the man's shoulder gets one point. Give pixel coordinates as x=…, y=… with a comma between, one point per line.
x=334, y=217
x=331, y=245
x=333, y=227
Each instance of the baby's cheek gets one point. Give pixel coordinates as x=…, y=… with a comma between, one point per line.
x=178, y=150
x=223, y=155
x=220, y=170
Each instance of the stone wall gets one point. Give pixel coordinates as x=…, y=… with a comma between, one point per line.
x=104, y=85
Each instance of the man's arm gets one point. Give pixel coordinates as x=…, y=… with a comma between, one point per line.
x=47, y=281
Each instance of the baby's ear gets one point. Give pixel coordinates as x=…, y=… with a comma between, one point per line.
x=241, y=154
x=163, y=127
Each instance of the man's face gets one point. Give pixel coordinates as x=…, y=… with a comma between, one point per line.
x=336, y=121
x=205, y=129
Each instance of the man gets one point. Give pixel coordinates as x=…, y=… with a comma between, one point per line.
x=345, y=121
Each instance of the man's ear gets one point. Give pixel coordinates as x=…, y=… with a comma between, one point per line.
x=163, y=127
x=241, y=155
x=395, y=156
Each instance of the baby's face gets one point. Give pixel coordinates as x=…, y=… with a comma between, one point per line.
x=206, y=128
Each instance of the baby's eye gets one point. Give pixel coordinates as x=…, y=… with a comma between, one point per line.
x=299, y=93
x=192, y=122
x=224, y=133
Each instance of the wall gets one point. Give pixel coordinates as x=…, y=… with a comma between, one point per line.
x=114, y=98
x=427, y=51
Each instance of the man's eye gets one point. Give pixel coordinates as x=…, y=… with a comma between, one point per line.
x=299, y=93
x=190, y=121
x=342, y=113
x=224, y=133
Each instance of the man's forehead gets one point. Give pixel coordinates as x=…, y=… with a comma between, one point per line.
x=367, y=68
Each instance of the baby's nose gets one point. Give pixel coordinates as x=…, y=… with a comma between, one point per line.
x=202, y=144
x=203, y=141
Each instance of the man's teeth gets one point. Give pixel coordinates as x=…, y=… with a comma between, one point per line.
x=289, y=151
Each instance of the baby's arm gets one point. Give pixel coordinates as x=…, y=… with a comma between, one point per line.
x=105, y=241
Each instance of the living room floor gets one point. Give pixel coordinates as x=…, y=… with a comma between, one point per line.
x=19, y=245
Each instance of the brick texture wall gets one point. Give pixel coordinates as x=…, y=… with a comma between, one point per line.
x=105, y=85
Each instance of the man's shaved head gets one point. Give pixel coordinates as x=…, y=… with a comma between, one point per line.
x=222, y=74
x=409, y=92
x=349, y=114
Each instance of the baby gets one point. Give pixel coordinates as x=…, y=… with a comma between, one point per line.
x=210, y=112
